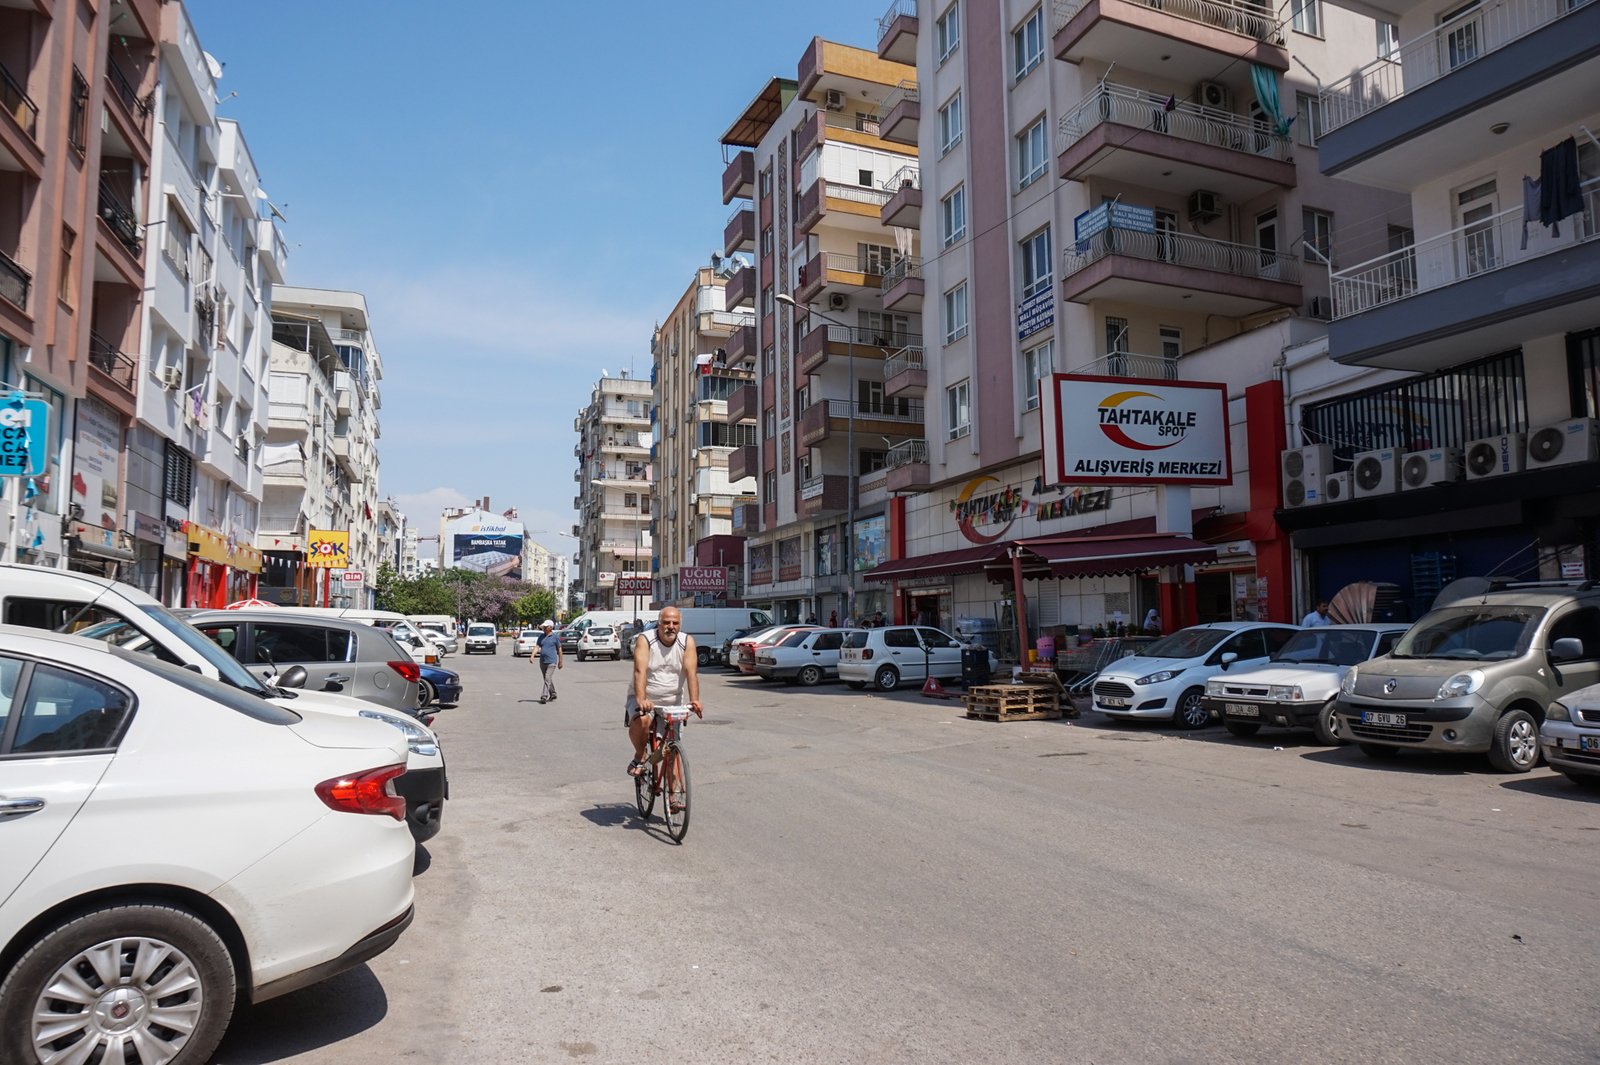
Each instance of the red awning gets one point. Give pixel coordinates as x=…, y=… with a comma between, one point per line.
x=1100, y=556
x=938, y=564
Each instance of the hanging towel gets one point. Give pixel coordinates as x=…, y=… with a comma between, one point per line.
x=1558, y=183
x=1530, y=206
x=1265, y=81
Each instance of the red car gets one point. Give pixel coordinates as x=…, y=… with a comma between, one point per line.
x=744, y=649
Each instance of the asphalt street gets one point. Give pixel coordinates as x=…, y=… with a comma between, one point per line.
x=874, y=878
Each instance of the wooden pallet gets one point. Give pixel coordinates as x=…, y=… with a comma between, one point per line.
x=1012, y=702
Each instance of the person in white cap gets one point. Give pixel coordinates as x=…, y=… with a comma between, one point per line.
x=549, y=659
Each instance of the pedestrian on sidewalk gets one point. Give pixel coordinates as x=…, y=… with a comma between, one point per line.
x=549, y=659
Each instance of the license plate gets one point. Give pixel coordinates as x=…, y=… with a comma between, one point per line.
x=1589, y=743
x=1387, y=720
x=1104, y=701
x=1241, y=709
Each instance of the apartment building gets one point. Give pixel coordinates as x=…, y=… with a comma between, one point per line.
x=615, y=486
x=320, y=461
x=812, y=157
x=1111, y=187
x=75, y=157
x=408, y=565
x=703, y=412
x=1476, y=340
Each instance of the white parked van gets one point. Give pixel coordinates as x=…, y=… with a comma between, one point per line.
x=440, y=628
x=712, y=626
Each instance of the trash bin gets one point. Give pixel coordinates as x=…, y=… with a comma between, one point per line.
x=974, y=665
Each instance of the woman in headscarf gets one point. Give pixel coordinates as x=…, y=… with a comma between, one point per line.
x=1152, y=624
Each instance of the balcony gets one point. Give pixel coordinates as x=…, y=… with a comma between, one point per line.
x=741, y=346
x=900, y=115
x=907, y=466
x=1474, y=290
x=136, y=110
x=1186, y=41
x=1403, y=124
x=14, y=282
x=897, y=33
x=825, y=494
x=872, y=488
x=902, y=286
x=904, y=373
x=890, y=417
x=741, y=289
x=743, y=404
x=1178, y=271
x=744, y=462
x=840, y=341
x=839, y=271
x=739, y=179
x=117, y=368
x=120, y=219
x=1116, y=131
x=904, y=206
x=723, y=323
x=747, y=519
x=15, y=99
x=836, y=196
x=740, y=232
x=1127, y=364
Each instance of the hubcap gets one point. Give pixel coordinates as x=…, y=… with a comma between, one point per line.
x=1524, y=743
x=1194, y=712
x=132, y=996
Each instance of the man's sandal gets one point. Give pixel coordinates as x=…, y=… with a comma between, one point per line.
x=635, y=768
x=677, y=807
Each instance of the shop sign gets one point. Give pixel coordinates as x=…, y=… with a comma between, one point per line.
x=1121, y=215
x=789, y=559
x=1036, y=312
x=635, y=586
x=702, y=579
x=1076, y=501
x=95, y=457
x=353, y=576
x=1116, y=430
x=151, y=530
x=24, y=436
x=993, y=508
x=328, y=548
x=872, y=542
x=761, y=564
x=942, y=583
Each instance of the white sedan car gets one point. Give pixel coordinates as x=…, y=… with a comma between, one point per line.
x=527, y=643
x=175, y=847
x=807, y=657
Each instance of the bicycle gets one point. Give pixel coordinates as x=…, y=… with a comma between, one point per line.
x=672, y=780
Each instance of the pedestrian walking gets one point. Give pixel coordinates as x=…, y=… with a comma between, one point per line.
x=549, y=660
x=833, y=619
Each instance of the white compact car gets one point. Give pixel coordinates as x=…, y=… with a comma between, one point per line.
x=442, y=635
x=599, y=640
x=1298, y=687
x=174, y=847
x=527, y=643
x=481, y=636
x=804, y=657
x=1167, y=678
x=893, y=656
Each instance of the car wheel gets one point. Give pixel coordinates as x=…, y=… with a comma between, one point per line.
x=810, y=676
x=856, y=684
x=1515, y=746
x=1191, y=712
x=582, y=657
x=1587, y=781
x=146, y=982
x=887, y=679
x=1241, y=729
x=702, y=657
x=1379, y=751
x=1326, y=726
x=429, y=692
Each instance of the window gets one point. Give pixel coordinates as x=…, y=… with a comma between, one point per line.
x=69, y=240
x=630, y=500
x=1310, y=122
x=953, y=216
x=1267, y=233
x=950, y=124
x=300, y=643
x=1032, y=158
x=65, y=711
x=1318, y=245
x=767, y=304
x=178, y=476
x=1171, y=342
x=1027, y=44
x=78, y=122
x=958, y=410
x=1306, y=16
x=955, y=313
x=883, y=328
x=949, y=31
x=769, y=487
x=900, y=638
x=765, y=188
x=1116, y=335
x=769, y=423
x=864, y=178
x=875, y=258
x=870, y=461
x=1037, y=364
x=644, y=504
x=1036, y=264
x=802, y=397
x=1388, y=41
x=769, y=360
x=766, y=242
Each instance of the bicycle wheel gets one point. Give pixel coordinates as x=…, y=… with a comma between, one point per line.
x=677, y=793
x=644, y=790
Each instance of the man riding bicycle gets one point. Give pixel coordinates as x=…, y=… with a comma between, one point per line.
x=664, y=662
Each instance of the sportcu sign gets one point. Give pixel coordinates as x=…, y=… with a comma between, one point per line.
x=1098, y=430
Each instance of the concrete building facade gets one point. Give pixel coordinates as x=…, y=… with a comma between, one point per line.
x=616, y=488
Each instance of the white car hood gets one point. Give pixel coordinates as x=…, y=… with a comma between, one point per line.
x=1135, y=666
x=1312, y=677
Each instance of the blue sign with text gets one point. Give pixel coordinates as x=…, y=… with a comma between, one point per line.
x=1121, y=215
x=1036, y=312
x=24, y=436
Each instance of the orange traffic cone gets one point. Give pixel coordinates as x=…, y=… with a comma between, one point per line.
x=934, y=690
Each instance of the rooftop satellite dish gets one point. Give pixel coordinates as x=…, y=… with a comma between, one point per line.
x=1461, y=589
x=212, y=65
x=604, y=374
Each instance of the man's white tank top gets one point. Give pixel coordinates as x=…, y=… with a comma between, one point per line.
x=663, y=675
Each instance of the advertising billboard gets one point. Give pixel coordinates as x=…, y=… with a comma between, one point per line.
x=1120, y=430
x=328, y=548
x=702, y=580
x=95, y=456
x=492, y=546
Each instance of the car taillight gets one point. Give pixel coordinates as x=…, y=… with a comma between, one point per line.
x=866, y=653
x=371, y=792
x=409, y=670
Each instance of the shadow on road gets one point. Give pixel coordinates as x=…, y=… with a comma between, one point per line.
x=304, y=1020
x=1554, y=786
x=613, y=815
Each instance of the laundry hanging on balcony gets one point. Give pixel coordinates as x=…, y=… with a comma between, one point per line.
x=1559, y=194
x=704, y=362
x=1265, y=81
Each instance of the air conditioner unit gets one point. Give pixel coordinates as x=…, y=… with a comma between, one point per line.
x=838, y=301
x=1437, y=465
x=1204, y=206
x=1336, y=487
x=1303, y=471
x=172, y=377
x=1321, y=307
x=1376, y=473
x=1562, y=443
x=1214, y=95
x=833, y=99
x=1495, y=455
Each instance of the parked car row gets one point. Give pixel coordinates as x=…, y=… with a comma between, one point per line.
x=885, y=658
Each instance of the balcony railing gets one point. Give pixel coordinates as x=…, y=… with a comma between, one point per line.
x=839, y=190
x=899, y=270
x=130, y=95
x=14, y=282
x=1127, y=364
x=17, y=104
x=1192, y=122
x=835, y=262
x=867, y=124
x=120, y=219
x=1444, y=48
x=909, y=176
x=908, y=453
x=897, y=9
x=730, y=319
x=1180, y=249
x=907, y=358
x=1479, y=247
x=906, y=90
x=862, y=337
x=176, y=247
x=1235, y=16
x=117, y=365
x=884, y=410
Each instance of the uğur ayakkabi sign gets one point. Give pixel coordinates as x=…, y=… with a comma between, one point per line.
x=1122, y=430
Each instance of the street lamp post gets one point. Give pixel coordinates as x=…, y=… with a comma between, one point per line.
x=850, y=446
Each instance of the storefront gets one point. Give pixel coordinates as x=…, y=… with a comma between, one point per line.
x=207, y=586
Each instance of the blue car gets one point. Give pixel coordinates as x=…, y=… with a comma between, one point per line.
x=440, y=687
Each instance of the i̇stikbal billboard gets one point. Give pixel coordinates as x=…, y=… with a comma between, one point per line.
x=1119, y=430
x=493, y=547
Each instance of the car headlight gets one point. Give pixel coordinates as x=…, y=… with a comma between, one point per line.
x=1461, y=684
x=1158, y=677
x=1558, y=712
x=418, y=739
x=1213, y=687
x=1348, y=684
x=1288, y=693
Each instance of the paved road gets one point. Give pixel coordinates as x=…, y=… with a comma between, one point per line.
x=877, y=879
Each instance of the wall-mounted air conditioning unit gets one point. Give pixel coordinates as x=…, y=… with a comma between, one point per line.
x=833, y=99
x=172, y=377
x=1215, y=95
x=1495, y=455
x=1204, y=206
x=1336, y=487
x=1321, y=307
x=1303, y=471
x=1562, y=443
x=838, y=301
x=1423, y=469
x=1376, y=473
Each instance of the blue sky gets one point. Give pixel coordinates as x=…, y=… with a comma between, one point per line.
x=520, y=189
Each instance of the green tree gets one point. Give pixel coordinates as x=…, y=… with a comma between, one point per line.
x=536, y=606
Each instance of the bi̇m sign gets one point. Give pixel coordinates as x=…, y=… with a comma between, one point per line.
x=1121, y=430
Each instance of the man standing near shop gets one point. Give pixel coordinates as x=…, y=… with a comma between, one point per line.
x=1318, y=617
x=549, y=659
